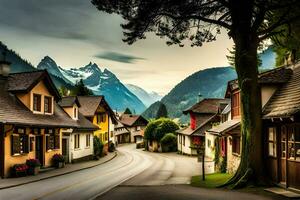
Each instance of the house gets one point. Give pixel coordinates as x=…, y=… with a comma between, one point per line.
x=122, y=134
x=281, y=129
x=77, y=143
x=202, y=116
x=229, y=134
x=135, y=124
x=31, y=121
x=97, y=111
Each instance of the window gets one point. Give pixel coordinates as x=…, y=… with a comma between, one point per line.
x=19, y=142
x=101, y=118
x=208, y=143
x=272, y=142
x=37, y=102
x=236, y=143
x=283, y=141
x=88, y=140
x=235, y=104
x=76, y=141
x=52, y=139
x=48, y=104
x=294, y=143
x=31, y=144
x=75, y=113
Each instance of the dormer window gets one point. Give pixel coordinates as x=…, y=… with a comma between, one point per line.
x=37, y=102
x=48, y=105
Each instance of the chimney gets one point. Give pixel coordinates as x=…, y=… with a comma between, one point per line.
x=4, y=65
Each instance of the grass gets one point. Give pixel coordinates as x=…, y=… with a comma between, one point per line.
x=211, y=180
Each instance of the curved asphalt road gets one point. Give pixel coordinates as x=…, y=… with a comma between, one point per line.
x=157, y=169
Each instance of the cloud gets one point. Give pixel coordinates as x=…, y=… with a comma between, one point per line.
x=118, y=57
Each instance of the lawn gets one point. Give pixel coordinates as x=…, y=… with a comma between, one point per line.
x=211, y=180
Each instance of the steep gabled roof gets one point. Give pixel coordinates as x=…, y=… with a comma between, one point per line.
x=89, y=105
x=286, y=100
x=84, y=124
x=25, y=81
x=277, y=76
x=207, y=106
x=69, y=101
x=13, y=111
x=130, y=120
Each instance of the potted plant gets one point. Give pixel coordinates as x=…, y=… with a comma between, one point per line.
x=58, y=160
x=19, y=170
x=33, y=166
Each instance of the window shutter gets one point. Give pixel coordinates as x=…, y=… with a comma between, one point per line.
x=57, y=141
x=25, y=143
x=15, y=144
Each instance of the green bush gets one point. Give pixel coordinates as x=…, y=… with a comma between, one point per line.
x=156, y=129
x=169, y=142
x=98, y=147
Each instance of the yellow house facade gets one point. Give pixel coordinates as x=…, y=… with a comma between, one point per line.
x=31, y=121
x=97, y=110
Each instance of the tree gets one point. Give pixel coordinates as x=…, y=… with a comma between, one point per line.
x=127, y=111
x=63, y=91
x=162, y=111
x=81, y=90
x=248, y=23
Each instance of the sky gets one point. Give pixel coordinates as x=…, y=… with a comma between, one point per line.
x=74, y=32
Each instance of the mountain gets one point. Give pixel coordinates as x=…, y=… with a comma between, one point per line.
x=18, y=64
x=100, y=82
x=210, y=82
x=147, y=98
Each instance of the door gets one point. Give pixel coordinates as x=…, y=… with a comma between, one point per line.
x=283, y=155
x=39, y=153
x=65, y=149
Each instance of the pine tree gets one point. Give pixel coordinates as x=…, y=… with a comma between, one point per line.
x=162, y=111
x=81, y=90
x=127, y=111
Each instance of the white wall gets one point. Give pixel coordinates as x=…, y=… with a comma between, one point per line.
x=266, y=93
x=184, y=147
x=82, y=151
x=209, y=150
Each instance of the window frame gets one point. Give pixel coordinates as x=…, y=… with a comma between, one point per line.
x=272, y=141
x=37, y=109
x=236, y=145
x=22, y=138
x=77, y=141
x=50, y=107
x=88, y=140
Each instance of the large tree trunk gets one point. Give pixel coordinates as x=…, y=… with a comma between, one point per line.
x=251, y=166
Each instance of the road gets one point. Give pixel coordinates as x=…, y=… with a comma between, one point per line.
x=131, y=167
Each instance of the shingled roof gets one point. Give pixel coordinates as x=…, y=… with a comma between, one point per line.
x=129, y=119
x=13, y=111
x=275, y=76
x=286, y=100
x=25, y=81
x=69, y=101
x=89, y=105
x=207, y=106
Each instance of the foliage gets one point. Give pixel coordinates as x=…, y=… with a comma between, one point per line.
x=63, y=91
x=162, y=111
x=211, y=180
x=111, y=147
x=248, y=23
x=231, y=58
x=287, y=43
x=57, y=158
x=127, y=111
x=81, y=90
x=156, y=129
x=98, y=147
x=33, y=163
x=169, y=142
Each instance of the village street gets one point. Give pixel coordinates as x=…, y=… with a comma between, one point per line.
x=146, y=168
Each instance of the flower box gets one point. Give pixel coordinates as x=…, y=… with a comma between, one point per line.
x=58, y=161
x=33, y=166
x=19, y=170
